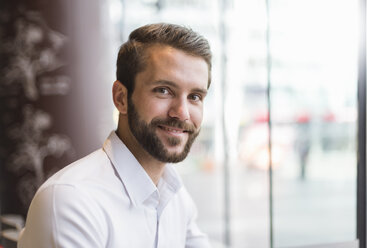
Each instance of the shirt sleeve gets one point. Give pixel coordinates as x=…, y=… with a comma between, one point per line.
x=195, y=238
x=62, y=216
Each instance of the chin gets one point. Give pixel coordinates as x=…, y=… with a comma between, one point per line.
x=174, y=151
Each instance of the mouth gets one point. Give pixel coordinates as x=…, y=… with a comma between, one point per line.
x=173, y=130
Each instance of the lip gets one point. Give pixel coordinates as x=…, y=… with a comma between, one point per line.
x=172, y=130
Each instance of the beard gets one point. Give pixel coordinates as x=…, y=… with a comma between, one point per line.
x=145, y=134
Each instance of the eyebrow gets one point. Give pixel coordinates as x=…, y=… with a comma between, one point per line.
x=174, y=85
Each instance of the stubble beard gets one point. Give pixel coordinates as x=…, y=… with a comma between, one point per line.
x=145, y=134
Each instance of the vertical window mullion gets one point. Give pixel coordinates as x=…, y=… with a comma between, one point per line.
x=361, y=175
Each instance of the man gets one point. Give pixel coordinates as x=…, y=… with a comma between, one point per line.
x=125, y=194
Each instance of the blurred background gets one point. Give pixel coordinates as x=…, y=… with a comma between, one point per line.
x=275, y=164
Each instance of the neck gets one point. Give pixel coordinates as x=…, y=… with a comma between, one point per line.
x=152, y=166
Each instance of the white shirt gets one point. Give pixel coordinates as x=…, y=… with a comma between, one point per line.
x=106, y=199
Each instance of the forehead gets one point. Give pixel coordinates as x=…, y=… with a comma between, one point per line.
x=166, y=63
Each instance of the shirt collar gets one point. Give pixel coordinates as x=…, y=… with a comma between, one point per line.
x=137, y=182
x=171, y=178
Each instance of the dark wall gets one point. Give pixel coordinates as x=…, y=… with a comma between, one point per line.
x=54, y=91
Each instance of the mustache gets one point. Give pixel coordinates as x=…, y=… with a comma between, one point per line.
x=174, y=123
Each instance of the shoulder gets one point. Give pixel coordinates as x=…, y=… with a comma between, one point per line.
x=73, y=189
x=63, y=214
x=80, y=185
x=88, y=179
x=89, y=168
x=70, y=205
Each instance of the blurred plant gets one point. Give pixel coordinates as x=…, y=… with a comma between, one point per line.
x=34, y=50
x=31, y=50
x=35, y=147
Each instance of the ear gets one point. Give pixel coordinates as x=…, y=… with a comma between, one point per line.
x=119, y=94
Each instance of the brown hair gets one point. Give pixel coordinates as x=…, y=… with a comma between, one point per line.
x=130, y=59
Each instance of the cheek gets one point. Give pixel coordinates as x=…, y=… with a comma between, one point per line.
x=196, y=115
x=149, y=108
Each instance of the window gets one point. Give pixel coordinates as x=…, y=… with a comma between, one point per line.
x=309, y=195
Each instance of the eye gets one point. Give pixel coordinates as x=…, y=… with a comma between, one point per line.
x=161, y=90
x=195, y=97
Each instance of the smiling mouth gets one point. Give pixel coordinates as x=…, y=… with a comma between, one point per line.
x=173, y=130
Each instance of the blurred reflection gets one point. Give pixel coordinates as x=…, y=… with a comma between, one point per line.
x=303, y=141
x=313, y=99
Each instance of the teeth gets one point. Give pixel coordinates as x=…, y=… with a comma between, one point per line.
x=172, y=130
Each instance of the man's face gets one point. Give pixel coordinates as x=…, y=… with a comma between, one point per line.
x=166, y=108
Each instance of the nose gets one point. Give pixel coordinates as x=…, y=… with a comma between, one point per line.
x=179, y=110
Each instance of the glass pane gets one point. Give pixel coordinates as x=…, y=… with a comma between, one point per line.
x=246, y=115
x=314, y=115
